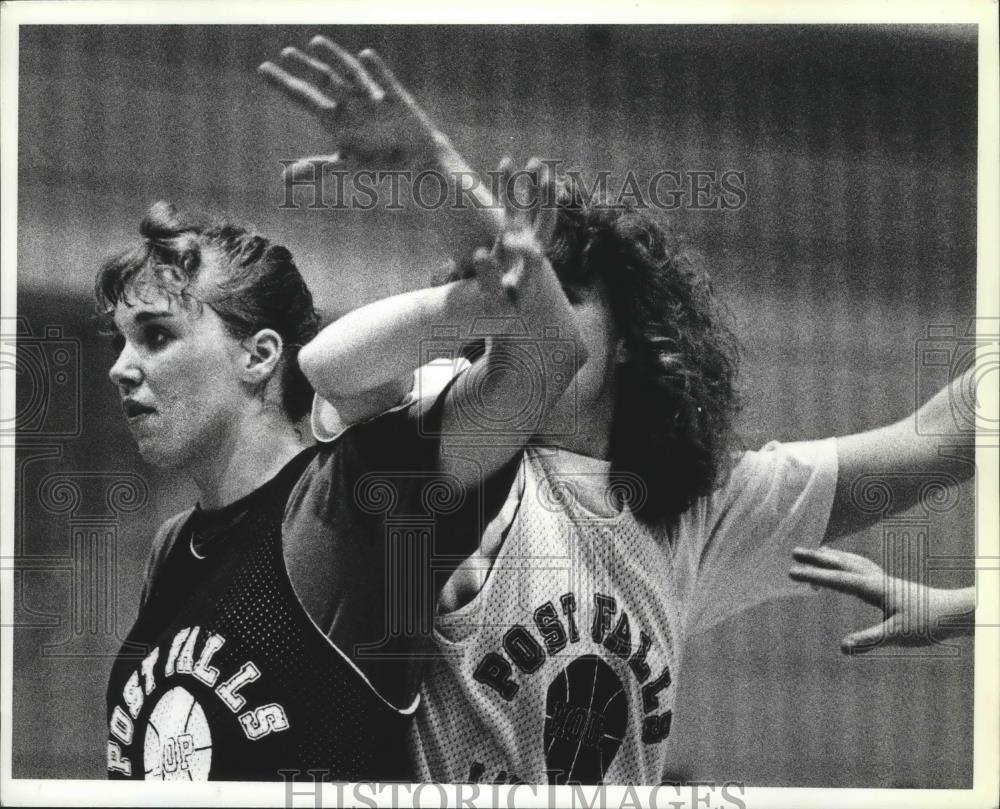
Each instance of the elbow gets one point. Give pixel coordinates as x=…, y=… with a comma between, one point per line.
x=309, y=363
x=320, y=367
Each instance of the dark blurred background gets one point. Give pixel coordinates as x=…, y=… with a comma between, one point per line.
x=858, y=235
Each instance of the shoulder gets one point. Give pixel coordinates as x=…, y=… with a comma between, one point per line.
x=777, y=464
x=166, y=536
x=773, y=478
x=326, y=489
x=781, y=483
x=164, y=541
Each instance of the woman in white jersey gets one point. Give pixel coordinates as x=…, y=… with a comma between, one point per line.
x=628, y=525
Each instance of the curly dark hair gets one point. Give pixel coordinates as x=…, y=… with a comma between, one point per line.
x=676, y=398
x=259, y=286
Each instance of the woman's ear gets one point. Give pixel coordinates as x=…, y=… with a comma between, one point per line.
x=263, y=352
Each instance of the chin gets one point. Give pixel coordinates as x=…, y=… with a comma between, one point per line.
x=163, y=457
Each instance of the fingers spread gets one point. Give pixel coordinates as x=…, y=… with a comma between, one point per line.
x=513, y=278
x=347, y=66
x=381, y=73
x=485, y=265
x=831, y=558
x=839, y=580
x=867, y=639
x=319, y=72
x=309, y=168
x=390, y=86
x=299, y=91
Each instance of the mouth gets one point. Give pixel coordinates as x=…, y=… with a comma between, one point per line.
x=135, y=410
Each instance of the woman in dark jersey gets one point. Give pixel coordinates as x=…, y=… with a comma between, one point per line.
x=282, y=616
x=232, y=679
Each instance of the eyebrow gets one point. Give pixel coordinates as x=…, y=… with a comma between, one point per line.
x=148, y=315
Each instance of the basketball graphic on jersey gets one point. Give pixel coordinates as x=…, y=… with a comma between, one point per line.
x=178, y=744
x=586, y=711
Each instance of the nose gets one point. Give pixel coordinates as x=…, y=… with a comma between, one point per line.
x=126, y=373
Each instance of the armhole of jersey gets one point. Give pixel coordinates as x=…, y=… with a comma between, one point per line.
x=407, y=711
x=444, y=628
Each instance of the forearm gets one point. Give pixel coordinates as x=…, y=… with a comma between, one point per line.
x=513, y=389
x=381, y=342
x=948, y=417
x=470, y=216
x=927, y=441
x=549, y=326
x=927, y=448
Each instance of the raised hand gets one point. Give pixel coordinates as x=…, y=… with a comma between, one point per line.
x=518, y=254
x=915, y=614
x=371, y=117
x=374, y=123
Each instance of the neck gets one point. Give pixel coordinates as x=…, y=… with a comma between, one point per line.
x=592, y=433
x=253, y=453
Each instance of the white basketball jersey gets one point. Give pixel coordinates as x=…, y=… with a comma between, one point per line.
x=563, y=669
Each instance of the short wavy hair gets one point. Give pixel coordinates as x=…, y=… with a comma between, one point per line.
x=258, y=286
x=677, y=396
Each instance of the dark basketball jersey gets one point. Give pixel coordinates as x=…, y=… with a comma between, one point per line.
x=284, y=630
x=237, y=682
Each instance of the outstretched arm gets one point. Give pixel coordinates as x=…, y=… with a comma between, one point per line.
x=376, y=344
x=914, y=614
x=904, y=455
x=516, y=290
x=497, y=391
x=341, y=363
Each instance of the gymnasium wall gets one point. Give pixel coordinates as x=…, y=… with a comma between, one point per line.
x=857, y=236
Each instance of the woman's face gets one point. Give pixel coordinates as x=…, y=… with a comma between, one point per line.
x=178, y=375
x=593, y=388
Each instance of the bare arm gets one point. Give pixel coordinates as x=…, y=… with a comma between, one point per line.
x=380, y=343
x=373, y=121
x=499, y=389
x=905, y=458
x=517, y=289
